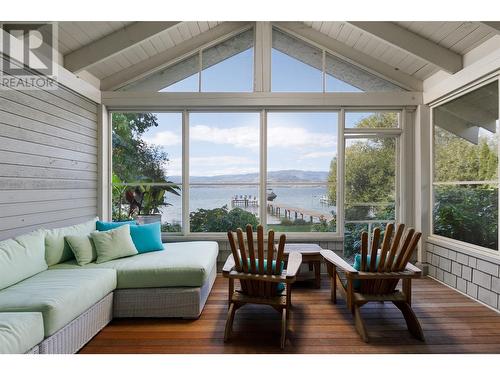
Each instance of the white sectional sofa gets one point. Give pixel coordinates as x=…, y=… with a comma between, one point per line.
x=50, y=304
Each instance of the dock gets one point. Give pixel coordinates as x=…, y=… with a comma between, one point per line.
x=289, y=212
x=244, y=201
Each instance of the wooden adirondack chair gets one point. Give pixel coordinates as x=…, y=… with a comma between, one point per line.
x=378, y=282
x=258, y=278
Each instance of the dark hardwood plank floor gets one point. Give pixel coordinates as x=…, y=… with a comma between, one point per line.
x=452, y=323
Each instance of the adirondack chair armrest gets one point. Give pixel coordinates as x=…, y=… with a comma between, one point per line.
x=411, y=268
x=228, y=266
x=337, y=261
x=293, y=265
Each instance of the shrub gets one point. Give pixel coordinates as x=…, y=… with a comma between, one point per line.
x=221, y=219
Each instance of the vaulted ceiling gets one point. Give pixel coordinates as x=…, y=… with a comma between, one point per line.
x=116, y=52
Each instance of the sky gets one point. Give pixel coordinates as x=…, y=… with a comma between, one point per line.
x=228, y=143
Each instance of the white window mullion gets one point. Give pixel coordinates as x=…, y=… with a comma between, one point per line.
x=185, y=173
x=340, y=173
x=263, y=169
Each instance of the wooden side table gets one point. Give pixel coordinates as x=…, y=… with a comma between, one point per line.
x=311, y=254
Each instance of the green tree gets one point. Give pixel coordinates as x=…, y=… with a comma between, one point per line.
x=221, y=219
x=369, y=170
x=369, y=178
x=136, y=161
x=456, y=159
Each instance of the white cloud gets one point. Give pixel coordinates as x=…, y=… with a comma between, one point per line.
x=319, y=154
x=248, y=136
x=241, y=136
x=298, y=137
x=164, y=138
x=224, y=164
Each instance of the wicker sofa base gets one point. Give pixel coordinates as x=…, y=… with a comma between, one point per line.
x=73, y=336
x=184, y=302
x=34, y=350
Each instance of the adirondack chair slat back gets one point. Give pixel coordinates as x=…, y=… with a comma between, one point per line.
x=247, y=261
x=393, y=256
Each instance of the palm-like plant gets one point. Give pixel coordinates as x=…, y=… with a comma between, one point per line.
x=146, y=199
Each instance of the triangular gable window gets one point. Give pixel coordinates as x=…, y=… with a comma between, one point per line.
x=225, y=67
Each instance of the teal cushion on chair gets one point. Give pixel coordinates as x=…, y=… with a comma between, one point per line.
x=357, y=267
x=280, y=286
x=102, y=226
x=147, y=237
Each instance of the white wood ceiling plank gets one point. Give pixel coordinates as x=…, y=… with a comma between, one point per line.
x=175, y=35
x=203, y=25
x=194, y=28
x=465, y=29
x=184, y=31
x=470, y=40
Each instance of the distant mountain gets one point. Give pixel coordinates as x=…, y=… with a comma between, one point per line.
x=289, y=175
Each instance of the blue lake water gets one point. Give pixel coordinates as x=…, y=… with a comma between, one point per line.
x=303, y=197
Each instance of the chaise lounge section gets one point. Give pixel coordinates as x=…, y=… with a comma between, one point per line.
x=51, y=305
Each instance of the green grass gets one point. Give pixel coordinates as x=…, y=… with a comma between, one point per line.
x=290, y=228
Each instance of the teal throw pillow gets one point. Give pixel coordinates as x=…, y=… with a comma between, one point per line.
x=147, y=237
x=102, y=226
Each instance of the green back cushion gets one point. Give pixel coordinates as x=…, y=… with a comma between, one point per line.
x=113, y=244
x=21, y=257
x=57, y=249
x=280, y=286
x=83, y=248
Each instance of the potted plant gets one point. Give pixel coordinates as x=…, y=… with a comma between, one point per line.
x=145, y=200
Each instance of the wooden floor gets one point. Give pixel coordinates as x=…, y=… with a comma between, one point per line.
x=452, y=323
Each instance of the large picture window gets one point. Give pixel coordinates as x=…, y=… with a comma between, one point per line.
x=465, y=160
x=223, y=170
x=301, y=149
x=147, y=164
x=225, y=186
x=371, y=174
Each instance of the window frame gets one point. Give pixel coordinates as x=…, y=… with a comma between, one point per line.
x=401, y=160
x=468, y=247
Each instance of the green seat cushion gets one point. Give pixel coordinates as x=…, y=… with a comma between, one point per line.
x=181, y=264
x=21, y=257
x=57, y=249
x=60, y=295
x=20, y=332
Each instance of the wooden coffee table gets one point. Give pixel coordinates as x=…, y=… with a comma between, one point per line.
x=311, y=255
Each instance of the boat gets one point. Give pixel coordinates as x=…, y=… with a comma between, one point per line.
x=271, y=195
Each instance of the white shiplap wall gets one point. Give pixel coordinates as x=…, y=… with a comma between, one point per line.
x=48, y=159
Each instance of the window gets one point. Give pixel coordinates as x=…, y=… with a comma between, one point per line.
x=296, y=65
x=465, y=178
x=370, y=188
x=208, y=70
x=231, y=59
x=342, y=76
x=147, y=164
x=223, y=188
x=223, y=170
x=301, y=163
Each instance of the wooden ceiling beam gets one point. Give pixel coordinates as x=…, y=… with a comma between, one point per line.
x=414, y=44
x=113, y=43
